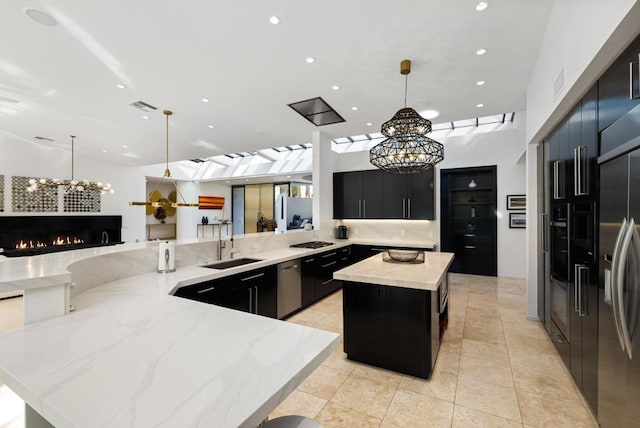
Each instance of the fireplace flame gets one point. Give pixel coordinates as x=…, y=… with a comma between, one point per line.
x=22, y=244
x=66, y=240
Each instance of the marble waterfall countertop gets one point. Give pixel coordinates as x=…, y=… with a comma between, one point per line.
x=134, y=355
x=421, y=276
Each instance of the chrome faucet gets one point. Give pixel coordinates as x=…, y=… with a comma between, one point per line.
x=229, y=224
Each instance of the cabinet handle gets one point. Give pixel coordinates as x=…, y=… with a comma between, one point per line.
x=329, y=264
x=256, y=300
x=206, y=290
x=580, y=171
x=258, y=275
x=324, y=256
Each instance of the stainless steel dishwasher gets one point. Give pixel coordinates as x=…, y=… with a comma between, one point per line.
x=289, y=287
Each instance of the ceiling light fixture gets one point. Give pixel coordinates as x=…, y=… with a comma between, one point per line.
x=69, y=185
x=481, y=51
x=164, y=203
x=482, y=6
x=274, y=20
x=406, y=149
x=310, y=60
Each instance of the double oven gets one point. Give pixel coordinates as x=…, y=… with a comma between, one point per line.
x=570, y=223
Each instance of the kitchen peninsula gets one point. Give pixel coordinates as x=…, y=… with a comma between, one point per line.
x=396, y=306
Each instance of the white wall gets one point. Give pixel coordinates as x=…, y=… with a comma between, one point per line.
x=467, y=147
x=25, y=158
x=582, y=38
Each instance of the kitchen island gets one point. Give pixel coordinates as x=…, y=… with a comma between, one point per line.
x=395, y=313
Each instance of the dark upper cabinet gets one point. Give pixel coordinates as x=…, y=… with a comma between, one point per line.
x=374, y=194
x=357, y=194
x=618, y=88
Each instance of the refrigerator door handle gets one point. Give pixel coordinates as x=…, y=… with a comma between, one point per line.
x=620, y=283
x=614, y=281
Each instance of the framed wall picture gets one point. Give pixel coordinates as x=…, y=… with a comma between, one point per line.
x=517, y=220
x=516, y=202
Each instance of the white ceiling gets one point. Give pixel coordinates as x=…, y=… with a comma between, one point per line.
x=171, y=54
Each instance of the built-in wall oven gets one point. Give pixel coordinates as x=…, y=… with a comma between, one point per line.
x=559, y=227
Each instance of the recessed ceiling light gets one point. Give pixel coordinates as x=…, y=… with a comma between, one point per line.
x=211, y=126
x=41, y=18
x=145, y=117
x=125, y=147
x=310, y=60
x=274, y=20
x=335, y=87
x=354, y=108
x=369, y=123
x=205, y=100
x=429, y=114
x=482, y=6
x=480, y=105
x=481, y=51
x=480, y=82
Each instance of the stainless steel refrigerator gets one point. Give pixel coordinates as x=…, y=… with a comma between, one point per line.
x=619, y=275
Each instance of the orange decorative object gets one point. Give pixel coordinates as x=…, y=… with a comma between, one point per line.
x=210, y=202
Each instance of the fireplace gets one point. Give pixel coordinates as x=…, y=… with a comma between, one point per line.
x=31, y=235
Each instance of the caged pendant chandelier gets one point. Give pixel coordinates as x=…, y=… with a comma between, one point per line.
x=165, y=204
x=407, y=149
x=69, y=185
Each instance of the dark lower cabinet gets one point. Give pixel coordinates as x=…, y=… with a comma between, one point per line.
x=391, y=327
x=317, y=274
x=253, y=291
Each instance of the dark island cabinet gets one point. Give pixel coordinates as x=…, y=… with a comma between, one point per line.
x=391, y=327
x=375, y=194
x=618, y=88
x=253, y=291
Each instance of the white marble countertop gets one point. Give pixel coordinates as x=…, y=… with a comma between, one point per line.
x=421, y=276
x=133, y=355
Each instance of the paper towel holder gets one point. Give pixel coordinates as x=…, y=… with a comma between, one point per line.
x=166, y=262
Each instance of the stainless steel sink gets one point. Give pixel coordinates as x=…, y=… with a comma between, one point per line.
x=231, y=263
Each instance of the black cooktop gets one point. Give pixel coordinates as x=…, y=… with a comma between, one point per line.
x=312, y=244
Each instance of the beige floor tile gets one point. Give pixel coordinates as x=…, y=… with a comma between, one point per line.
x=364, y=395
x=547, y=411
x=338, y=361
x=334, y=415
x=486, y=397
x=486, y=370
x=323, y=382
x=409, y=409
x=448, y=362
x=464, y=417
x=388, y=377
x=299, y=403
x=483, y=334
x=441, y=385
x=491, y=351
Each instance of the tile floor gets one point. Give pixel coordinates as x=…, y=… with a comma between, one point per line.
x=494, y=369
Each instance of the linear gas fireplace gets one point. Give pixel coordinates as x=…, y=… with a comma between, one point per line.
x=31, y=235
